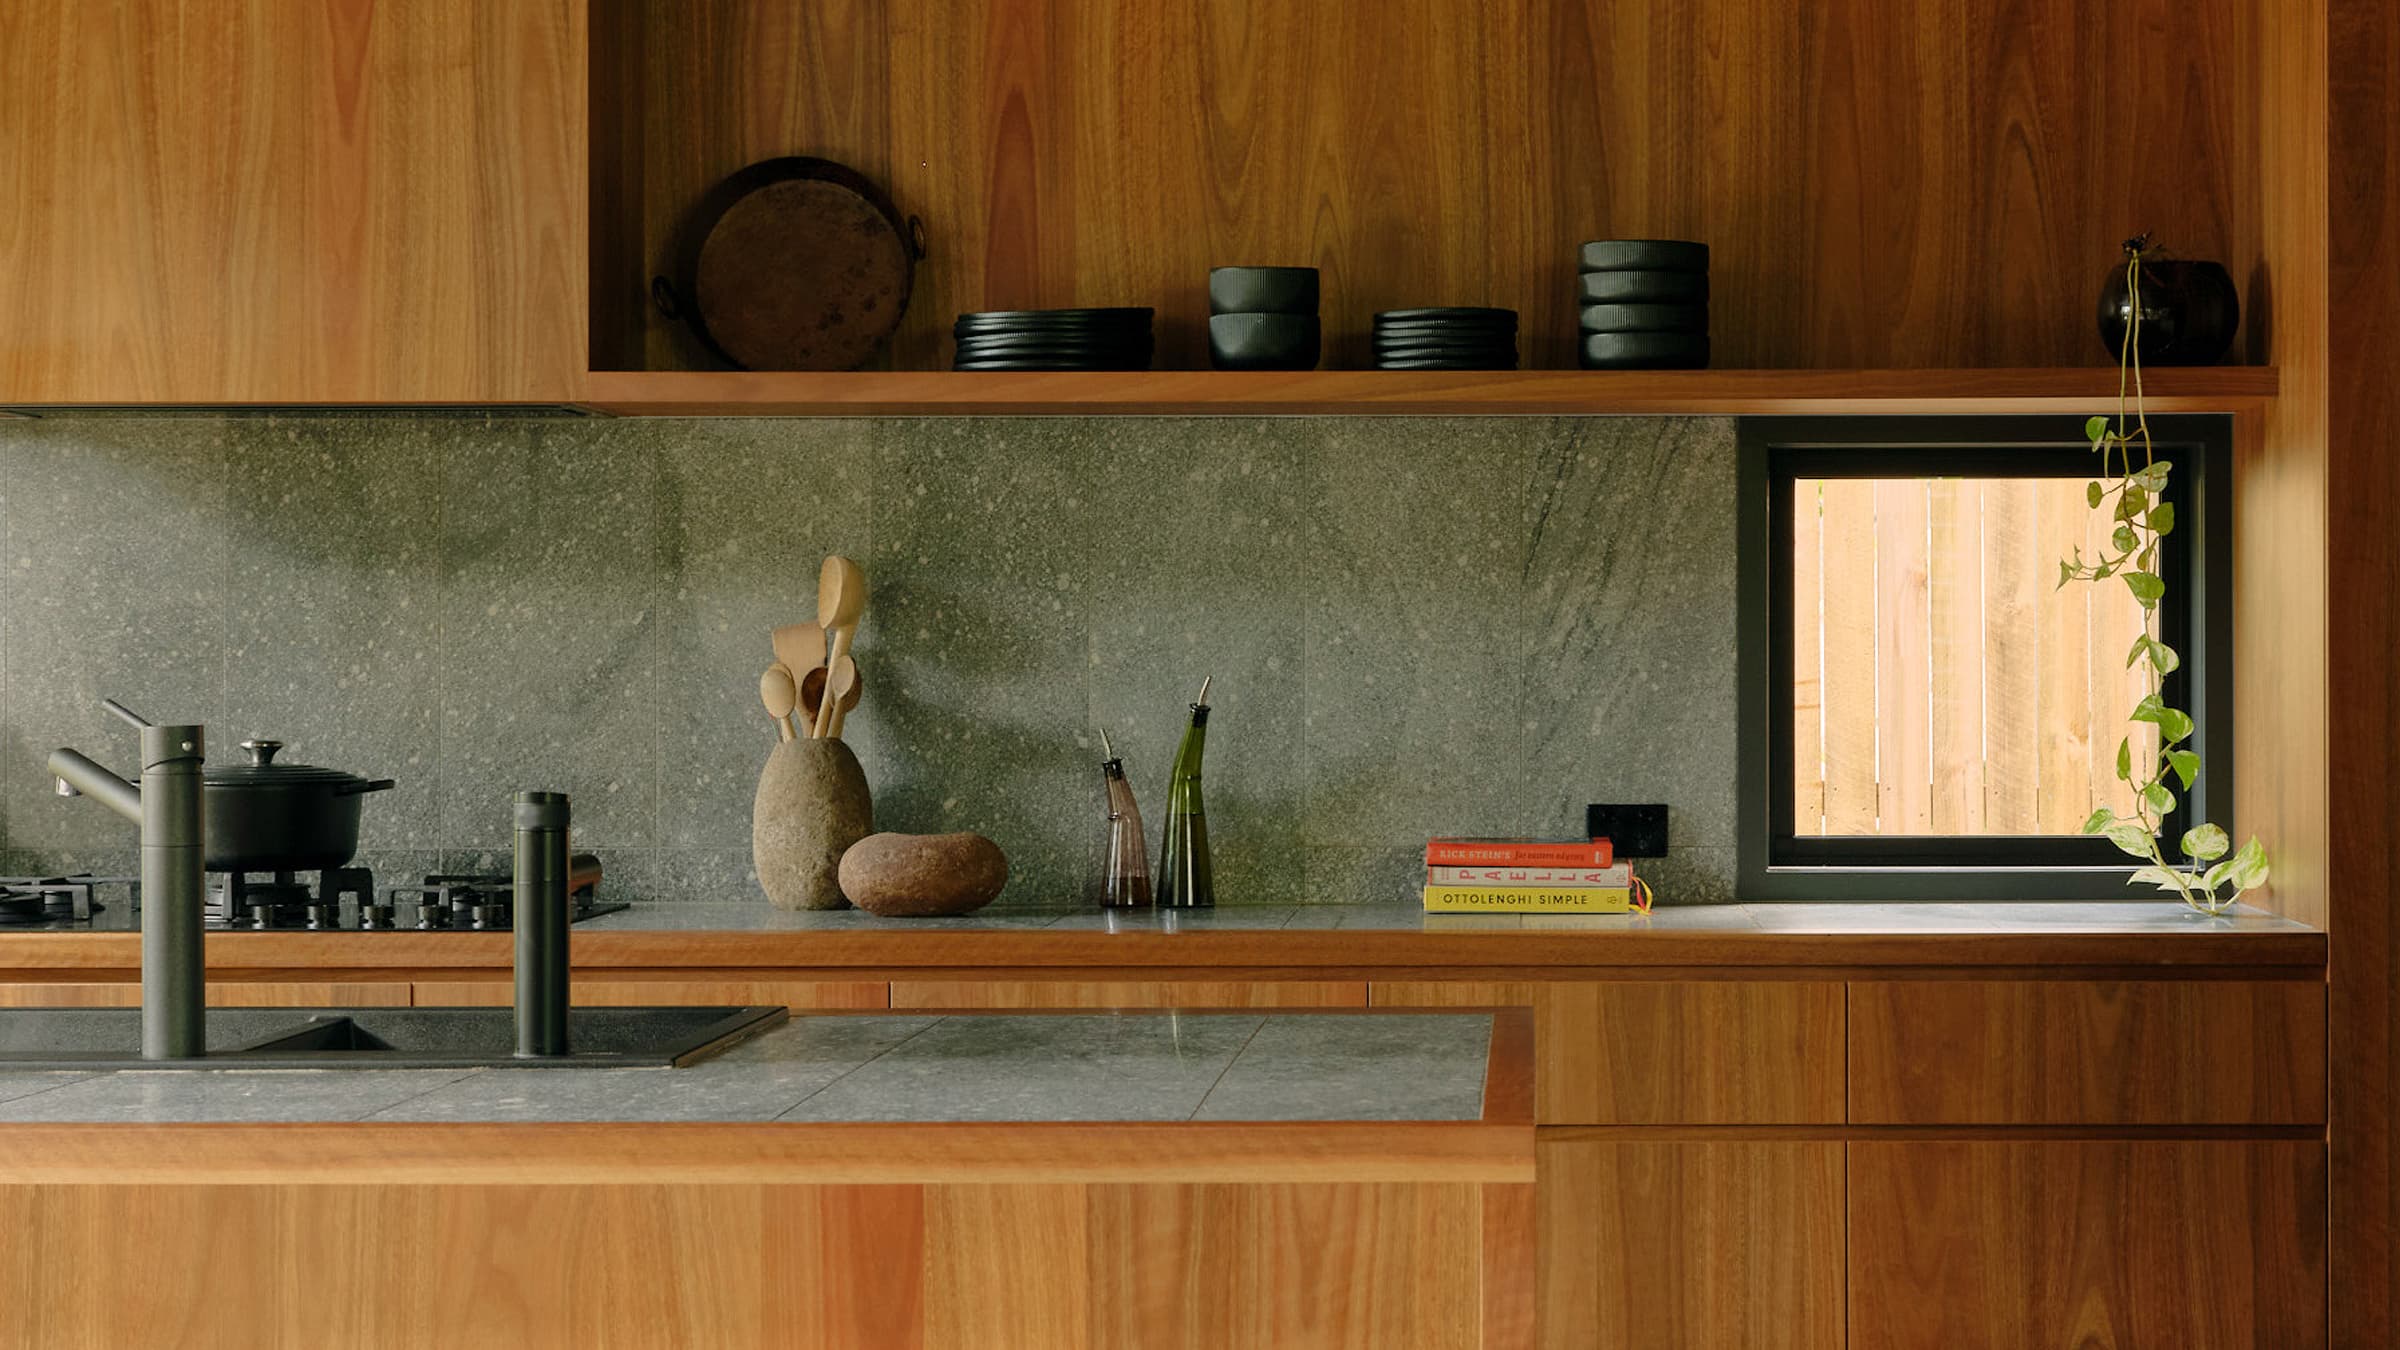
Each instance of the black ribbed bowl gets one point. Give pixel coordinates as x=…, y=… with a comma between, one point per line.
x=1264, y=341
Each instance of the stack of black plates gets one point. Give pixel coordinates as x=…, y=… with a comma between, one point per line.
x=1644, y=304
x=1054, y=339
x=1455, y=338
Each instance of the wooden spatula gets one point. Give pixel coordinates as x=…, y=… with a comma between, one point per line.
x=841, y=598
x=799, y=647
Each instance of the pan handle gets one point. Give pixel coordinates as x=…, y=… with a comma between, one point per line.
x=916, y=237
x=662, y=294
x=355, y=789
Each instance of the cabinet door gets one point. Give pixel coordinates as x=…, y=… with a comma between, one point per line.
x=696, y=990
x=1689, y=1245
x=957, y=994
x=292, y=201
x=1667, y=1052
x=2097, y=1245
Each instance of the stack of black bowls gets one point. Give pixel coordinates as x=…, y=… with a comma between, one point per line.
x=1263, y=318
x=1454, y=338
x=1054, y=339
x=1644, y=304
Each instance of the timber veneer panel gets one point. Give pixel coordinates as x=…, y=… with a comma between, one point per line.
x=605, y=992
x=1667, y=1052
x=2044, y=1052
x=218, y=993
x=1941, y=184
x=1722, y=1245
x=952, y=994
x=291, y=201
x=1342, y=1266
x=2122, y=1245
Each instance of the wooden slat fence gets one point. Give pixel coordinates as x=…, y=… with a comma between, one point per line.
x=1942, y=683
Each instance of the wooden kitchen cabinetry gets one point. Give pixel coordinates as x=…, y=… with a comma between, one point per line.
x=949, y=995
x=292, y=201
x=2127, y=1243
x=127, y=993
x=676, y=989
x=1733, y=1243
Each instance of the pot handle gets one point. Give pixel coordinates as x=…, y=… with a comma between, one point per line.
x=354, y=789
x=662, y=294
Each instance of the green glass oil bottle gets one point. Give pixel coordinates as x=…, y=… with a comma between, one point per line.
x=1184, y=880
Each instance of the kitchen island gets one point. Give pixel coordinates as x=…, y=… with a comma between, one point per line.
x=1200, y=1179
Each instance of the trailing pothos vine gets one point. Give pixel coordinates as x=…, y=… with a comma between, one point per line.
x=2132, y=488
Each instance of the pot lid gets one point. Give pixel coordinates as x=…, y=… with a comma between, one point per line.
x=259, y=768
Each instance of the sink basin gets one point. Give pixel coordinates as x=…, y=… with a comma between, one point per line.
x=376, y=1038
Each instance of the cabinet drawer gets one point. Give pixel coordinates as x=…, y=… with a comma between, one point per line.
x=2054, y=1052
x=1668, y=1052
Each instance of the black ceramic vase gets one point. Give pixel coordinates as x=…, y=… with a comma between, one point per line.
x=2190, y=310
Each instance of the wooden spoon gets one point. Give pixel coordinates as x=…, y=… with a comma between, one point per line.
x=776, y=690
x=841, y=598
x=799, y=647
x=812, y=691
x=841, y=694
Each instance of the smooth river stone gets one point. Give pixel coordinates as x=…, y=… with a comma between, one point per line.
x=812, y=806
x=911, y=876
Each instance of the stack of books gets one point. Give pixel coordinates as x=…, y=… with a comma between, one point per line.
x=1527, y=876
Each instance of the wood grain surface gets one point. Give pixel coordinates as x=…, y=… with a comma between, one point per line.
x=1402, y=392
x=289, y=201
x=941, y=1267
x=765, y=1153
x=2043, y=1052
x=2110, y=1246
x=1229, y=954
x=1667, y=1052
x=1710, y=1246
x=957, y=994
x=673, y=991
x=2362, y=873
x=1939, y=185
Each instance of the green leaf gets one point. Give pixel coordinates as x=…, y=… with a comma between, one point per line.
x=2186, y=765
x=2154, y=478
x=2139, y=649
x=2146, y=587
x=2174, y=725
x=2205, y=842
x=2093, y=430
x=2247, y=869
x=2093, y=492
x=2163, y=657
x=2162, y=518
x=2100, y=820
x=2160, y=799
x=2150, y=710
x=2125, y=762
x=2066, y=573
x=2159, y=877
x=2130, y=838
x=2124, y=539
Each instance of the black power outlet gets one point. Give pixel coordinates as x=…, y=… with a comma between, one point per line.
x=1632, y=831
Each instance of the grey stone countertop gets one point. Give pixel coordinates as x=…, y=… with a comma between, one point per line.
x=2055, y=916
x=1141, y=1066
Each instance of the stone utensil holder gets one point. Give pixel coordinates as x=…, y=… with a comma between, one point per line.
x=812, y=806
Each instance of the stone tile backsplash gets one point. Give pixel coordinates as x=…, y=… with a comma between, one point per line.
x=1416, y=626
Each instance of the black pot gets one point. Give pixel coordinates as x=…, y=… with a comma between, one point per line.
x=269, y=817
x=2190, y=311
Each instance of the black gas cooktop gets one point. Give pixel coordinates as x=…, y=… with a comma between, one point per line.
x=338, y=900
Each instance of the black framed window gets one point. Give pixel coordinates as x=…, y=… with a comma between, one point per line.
x=1924, y=712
